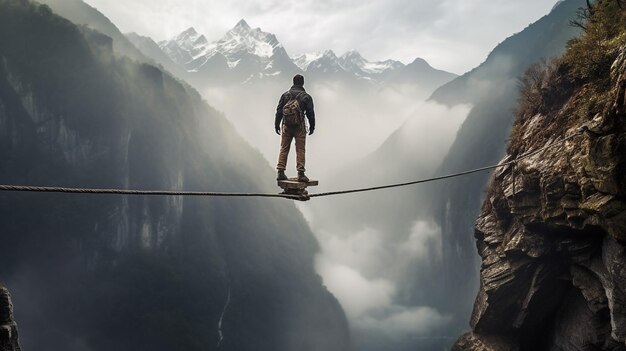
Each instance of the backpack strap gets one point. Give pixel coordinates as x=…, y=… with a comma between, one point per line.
x=290, y=95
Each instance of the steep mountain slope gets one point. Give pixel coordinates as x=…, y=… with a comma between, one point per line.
x=134, y=273
x=150, y=49
x=552, y=230
x=421, y=71
x=81, y=13
x=133, y=46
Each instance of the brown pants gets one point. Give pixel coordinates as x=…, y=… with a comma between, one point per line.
x=288, y=135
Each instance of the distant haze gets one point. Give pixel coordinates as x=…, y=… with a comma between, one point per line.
x=454, y=35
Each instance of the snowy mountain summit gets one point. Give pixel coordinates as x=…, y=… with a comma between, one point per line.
x=353, y=62
x=242, y=39
x=185, y=47
x=245, y=53
x=245, y=50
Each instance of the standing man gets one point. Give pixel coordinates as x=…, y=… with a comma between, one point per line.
x=291, y=111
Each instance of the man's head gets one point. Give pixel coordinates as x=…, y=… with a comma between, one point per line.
x=298, y=80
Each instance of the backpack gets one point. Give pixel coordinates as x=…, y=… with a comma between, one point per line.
x=292, y=113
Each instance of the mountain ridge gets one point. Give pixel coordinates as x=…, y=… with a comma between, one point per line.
x=242, y=42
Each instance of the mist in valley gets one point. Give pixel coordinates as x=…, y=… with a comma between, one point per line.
x=353, y=120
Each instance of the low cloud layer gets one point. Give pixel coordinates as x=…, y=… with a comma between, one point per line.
x=438, y=31
x=363, y=269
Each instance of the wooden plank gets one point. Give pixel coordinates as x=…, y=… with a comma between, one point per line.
x=293, y=183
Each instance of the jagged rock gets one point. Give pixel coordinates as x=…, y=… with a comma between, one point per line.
x=473, y=341
x=8, y=328
x=578, y=328
x=610, y=267
x=591, y=288
x=551, y=236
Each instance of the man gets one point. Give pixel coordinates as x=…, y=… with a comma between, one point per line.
x=291, y=114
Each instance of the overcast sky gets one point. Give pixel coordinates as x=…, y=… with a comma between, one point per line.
x=454, y=35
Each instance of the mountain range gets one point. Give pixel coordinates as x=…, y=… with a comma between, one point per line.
x=245, y=54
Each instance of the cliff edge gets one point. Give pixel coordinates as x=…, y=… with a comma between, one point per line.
x=552, y=231
x=8, y=328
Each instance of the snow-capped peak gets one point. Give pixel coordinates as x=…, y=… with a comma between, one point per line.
x=242, y=25
x=322, y=62
x=330, y=54
x=352, y=55
x=304, y=60
x=188, y=33
x=352, y=61
x=243, y=39
x=185, y=46
x=319, y=58
x=241, y=44
x=190, y=38
x=251, y=52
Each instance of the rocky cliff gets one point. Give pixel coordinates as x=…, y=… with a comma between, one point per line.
x=8, y=328
x=553, y=227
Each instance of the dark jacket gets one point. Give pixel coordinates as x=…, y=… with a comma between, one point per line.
x=306, y=105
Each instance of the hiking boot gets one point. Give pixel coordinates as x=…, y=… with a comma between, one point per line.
x=302, y=178
x=281, y=175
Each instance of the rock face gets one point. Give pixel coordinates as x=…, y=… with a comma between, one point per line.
x=552, y=233
x=8, y=328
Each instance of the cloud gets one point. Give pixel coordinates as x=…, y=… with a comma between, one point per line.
x=404, y=322
x=424, y=241
x=364, y=270
x=358, y=295
x=437, y=30
x=431, y=129
x=369, y=304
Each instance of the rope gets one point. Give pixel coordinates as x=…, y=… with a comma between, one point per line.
x=304, y=197
x=47, y=189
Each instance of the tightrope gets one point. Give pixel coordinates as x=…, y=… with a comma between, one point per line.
x=47, y=189
x=50, y=189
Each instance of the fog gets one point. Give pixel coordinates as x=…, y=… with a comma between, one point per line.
x=366, y=135
x=352, y=119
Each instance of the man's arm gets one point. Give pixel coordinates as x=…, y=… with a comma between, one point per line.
x=310, y=114
x=279, y=113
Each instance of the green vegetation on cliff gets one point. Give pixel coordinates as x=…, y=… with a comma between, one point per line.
x=582, y=75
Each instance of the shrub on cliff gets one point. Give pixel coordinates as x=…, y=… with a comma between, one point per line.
x=581, y=75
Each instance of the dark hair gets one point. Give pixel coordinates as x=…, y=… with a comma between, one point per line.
x=298, y=80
